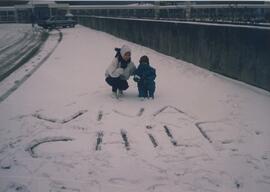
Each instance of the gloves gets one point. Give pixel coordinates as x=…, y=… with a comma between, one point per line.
x=136, y=78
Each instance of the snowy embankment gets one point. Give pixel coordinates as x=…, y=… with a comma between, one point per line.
x=20, y=75
x=19, y=42
x=62, y=131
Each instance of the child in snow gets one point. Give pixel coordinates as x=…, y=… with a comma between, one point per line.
x=145, y=76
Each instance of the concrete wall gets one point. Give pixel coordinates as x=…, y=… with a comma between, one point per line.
x=242, y=53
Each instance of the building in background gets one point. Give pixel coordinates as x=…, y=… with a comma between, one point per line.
x=12, y=2
x=22, y=11
x=238, y=12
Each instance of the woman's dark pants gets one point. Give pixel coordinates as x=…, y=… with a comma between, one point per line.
x=117, y=83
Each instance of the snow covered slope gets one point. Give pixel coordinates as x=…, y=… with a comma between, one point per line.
x=18, y=42
x=62, y=131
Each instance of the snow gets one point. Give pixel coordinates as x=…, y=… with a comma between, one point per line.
x=10, y=33
x=18, y=77
x=141, y=4
x=62, y=131
x=17, y=43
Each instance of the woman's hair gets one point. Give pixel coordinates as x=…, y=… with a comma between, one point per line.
x=118, y=55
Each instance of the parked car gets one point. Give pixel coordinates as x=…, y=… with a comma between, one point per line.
x=57, y=22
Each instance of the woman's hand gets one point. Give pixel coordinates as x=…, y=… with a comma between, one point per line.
x=119, y=71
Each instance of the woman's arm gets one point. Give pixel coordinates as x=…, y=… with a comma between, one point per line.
x=114, y=70
x=132, y=69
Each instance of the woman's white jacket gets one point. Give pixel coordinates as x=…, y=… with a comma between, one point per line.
x=114, y=70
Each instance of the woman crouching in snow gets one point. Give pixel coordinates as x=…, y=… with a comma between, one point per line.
x=120, y=70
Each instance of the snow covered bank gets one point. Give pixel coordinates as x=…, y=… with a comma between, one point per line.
x=62, y=131
x=19, y=42
x=18, y=77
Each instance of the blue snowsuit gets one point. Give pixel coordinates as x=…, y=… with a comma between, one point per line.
x=145, y=76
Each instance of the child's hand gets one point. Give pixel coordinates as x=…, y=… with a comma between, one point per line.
x=136, y=78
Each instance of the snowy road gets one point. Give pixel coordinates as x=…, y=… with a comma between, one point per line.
x=18, y=42
x=61, y=131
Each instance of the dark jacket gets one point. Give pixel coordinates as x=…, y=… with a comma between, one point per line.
x=145, y=76
x=146, y=73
